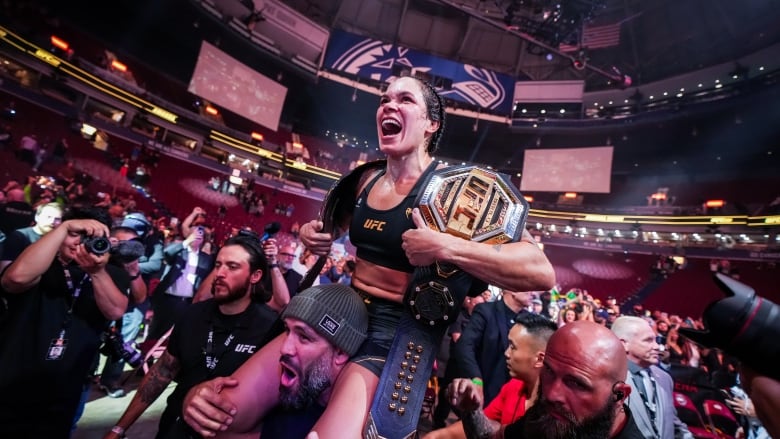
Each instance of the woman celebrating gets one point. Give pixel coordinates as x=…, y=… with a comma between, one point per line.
x=410, y=123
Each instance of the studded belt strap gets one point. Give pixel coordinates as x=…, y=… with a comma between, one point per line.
x=396, y=406
x=432, y=303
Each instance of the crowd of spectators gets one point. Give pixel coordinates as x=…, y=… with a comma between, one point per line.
x=677, y=350
x=23, y=204
x=699, y=372
x=33, y=205
x=72, y=187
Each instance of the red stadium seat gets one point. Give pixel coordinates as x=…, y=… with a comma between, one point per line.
x=687, y=412
x=720, y=418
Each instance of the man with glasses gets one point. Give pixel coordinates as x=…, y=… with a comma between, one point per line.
x=282, y=264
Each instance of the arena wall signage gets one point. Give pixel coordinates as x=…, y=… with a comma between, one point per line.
x=380, y=61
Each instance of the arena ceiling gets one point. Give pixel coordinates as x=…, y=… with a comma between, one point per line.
x=656, y=40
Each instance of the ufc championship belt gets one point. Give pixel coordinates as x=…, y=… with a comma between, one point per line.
x=336, y=212
x=465, y=201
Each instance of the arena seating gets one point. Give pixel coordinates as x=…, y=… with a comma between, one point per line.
x=602, y=274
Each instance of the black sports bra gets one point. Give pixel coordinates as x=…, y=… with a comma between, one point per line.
x=377, y=233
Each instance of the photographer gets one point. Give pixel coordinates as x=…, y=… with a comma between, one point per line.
x=764, y=392
x=61, y=297
x=746, y=326
x=126, y=250
x=281, y=280
x=151, y=261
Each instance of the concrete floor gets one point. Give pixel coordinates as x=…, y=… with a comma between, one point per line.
x=102, y=412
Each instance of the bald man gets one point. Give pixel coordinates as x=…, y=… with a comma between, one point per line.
x=581, y=391
x=652, y=399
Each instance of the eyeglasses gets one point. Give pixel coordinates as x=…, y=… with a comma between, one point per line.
x=289, y=255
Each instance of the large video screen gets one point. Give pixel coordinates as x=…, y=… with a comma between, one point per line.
x=567, y=170
x=221, y=79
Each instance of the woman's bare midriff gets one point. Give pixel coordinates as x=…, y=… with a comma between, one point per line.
x=380, y=282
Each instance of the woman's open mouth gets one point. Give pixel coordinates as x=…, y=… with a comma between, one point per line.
x=390, y=126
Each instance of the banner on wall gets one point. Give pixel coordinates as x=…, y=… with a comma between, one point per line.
x=380, y=61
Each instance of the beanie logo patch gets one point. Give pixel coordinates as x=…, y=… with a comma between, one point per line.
x=329, y=325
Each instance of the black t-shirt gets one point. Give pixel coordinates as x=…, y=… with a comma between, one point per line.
x=17, y=241
x=291, y=424
x=15, y=215
x=247, y=332
x=39, y=396
x=292, y=278
x=630, y=431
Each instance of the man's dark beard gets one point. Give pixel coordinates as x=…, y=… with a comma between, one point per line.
x=311, y=383
x=540, y=423
x=233, y=294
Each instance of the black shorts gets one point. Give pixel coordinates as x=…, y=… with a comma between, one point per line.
x=383, y=319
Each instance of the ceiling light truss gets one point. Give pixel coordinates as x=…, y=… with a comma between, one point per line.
x=543, y=47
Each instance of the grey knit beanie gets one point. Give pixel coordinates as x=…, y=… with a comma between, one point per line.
x=335, y=311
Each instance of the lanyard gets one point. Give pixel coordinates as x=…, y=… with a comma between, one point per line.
x=650, y=407
x=211, y=359
x=74, y=295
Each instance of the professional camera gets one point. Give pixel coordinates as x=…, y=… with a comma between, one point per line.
x=115, y=346
x=97, y=245
x=269, y=231
x=743, y=325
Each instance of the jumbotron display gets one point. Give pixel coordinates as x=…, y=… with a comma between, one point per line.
x=221, y=79
x=579, y=170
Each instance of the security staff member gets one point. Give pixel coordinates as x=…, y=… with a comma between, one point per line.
x=212, y=339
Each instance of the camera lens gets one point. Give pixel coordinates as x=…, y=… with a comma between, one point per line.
x=96, y=245
x=744, y=325
x=100, y=245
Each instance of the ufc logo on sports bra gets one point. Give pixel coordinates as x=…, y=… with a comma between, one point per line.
x=372, y=224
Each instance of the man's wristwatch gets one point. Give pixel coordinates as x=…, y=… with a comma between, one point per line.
x=273, y=265
x=137, y=275
x=119, y=431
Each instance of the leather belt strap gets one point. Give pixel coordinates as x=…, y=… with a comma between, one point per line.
x=432, y=302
